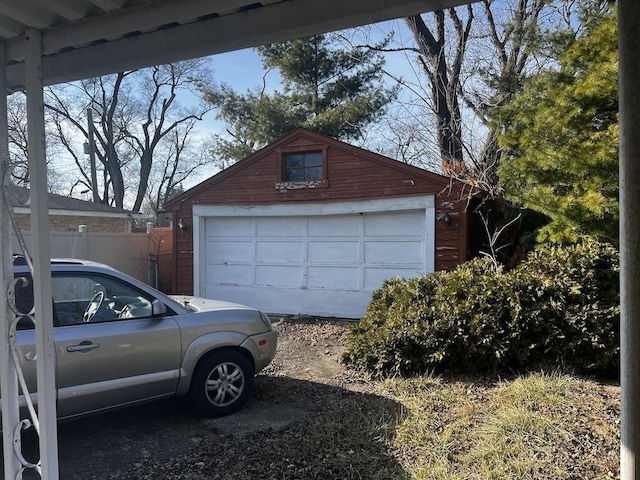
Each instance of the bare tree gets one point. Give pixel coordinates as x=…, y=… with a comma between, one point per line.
x=136, y=114
x=475, y=59
x=468, y=62
x=465, y=62
x=18, y=144
x=443, y=72
x=175, y=161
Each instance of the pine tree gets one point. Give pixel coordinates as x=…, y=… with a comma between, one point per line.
x=329, y=90
x=561, y=139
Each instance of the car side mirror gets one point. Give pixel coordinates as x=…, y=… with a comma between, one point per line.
x=158, y=308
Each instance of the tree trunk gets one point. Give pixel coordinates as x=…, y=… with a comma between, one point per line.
x=434, y=62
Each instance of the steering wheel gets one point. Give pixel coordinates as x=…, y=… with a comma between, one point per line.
x=93, y=307
x=125, y=312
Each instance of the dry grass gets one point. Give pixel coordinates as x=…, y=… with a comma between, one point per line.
x=534, y=427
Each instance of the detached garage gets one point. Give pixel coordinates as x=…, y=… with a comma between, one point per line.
x=310, y=225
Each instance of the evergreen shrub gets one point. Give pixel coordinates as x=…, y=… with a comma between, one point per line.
x=560, y=307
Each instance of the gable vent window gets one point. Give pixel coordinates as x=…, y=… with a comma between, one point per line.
x=303, y=167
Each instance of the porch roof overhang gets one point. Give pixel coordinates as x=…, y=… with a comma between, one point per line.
x=44, y=42
x=88, y=38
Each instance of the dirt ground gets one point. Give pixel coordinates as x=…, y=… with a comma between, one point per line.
x=303, y=378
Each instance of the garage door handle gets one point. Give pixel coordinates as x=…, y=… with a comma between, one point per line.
x=83, y=347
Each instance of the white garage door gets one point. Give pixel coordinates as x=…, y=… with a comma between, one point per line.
x=318, y=265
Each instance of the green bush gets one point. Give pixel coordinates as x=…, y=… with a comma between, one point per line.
x=571, y=297
x=559, y=307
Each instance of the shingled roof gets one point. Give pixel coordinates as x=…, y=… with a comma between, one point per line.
x=20, y=197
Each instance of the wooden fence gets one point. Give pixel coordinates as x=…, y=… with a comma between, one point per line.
x=145, y=256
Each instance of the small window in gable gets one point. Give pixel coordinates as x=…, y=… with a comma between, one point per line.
x=303, y=167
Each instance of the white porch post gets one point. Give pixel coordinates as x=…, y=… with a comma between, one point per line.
x=8, y=376
x=45, y=352
x=629, y=55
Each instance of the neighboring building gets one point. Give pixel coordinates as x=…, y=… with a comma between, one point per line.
x=312, y=225
x=66, y=213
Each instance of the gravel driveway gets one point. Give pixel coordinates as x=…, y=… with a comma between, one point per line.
x=304, y=378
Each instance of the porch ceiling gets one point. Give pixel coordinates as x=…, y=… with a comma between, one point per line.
x=85, y=38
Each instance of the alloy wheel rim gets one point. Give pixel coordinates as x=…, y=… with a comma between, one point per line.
x=225, y=384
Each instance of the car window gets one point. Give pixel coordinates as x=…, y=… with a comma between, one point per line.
x=90, y=298
x=73, y=295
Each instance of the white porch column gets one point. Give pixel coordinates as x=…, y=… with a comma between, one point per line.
x=45, y=352
x=629, y=97
x=8, y=378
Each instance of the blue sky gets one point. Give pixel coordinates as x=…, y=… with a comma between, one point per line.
x=241, y=69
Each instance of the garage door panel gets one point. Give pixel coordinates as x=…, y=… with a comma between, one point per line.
x=333, y=252
x=281, y=227
x=279, y=251
x=279, y=275
x=333, y=225
x=311, y=301
x=225, y=251
x=229, y=274
x=396, y=252
x=394, y=224
x=334, y=278
x=230, y=227
x=375, y=277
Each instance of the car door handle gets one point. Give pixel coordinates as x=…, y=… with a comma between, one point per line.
x=83, y=347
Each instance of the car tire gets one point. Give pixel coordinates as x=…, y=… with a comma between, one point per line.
x=222, y=384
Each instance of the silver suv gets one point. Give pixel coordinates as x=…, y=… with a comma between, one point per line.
x=120, y=342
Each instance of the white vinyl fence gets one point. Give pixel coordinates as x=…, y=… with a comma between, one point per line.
x=131, y=253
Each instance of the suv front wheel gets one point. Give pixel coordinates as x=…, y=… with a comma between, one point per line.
x=222, y=384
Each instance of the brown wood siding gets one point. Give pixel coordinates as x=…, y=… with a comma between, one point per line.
x=182, y=281
x=304, y=143
x=349, y=177
x=352, y=174
x=450, y=243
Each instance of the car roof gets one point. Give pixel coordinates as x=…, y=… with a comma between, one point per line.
x=21, y=260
